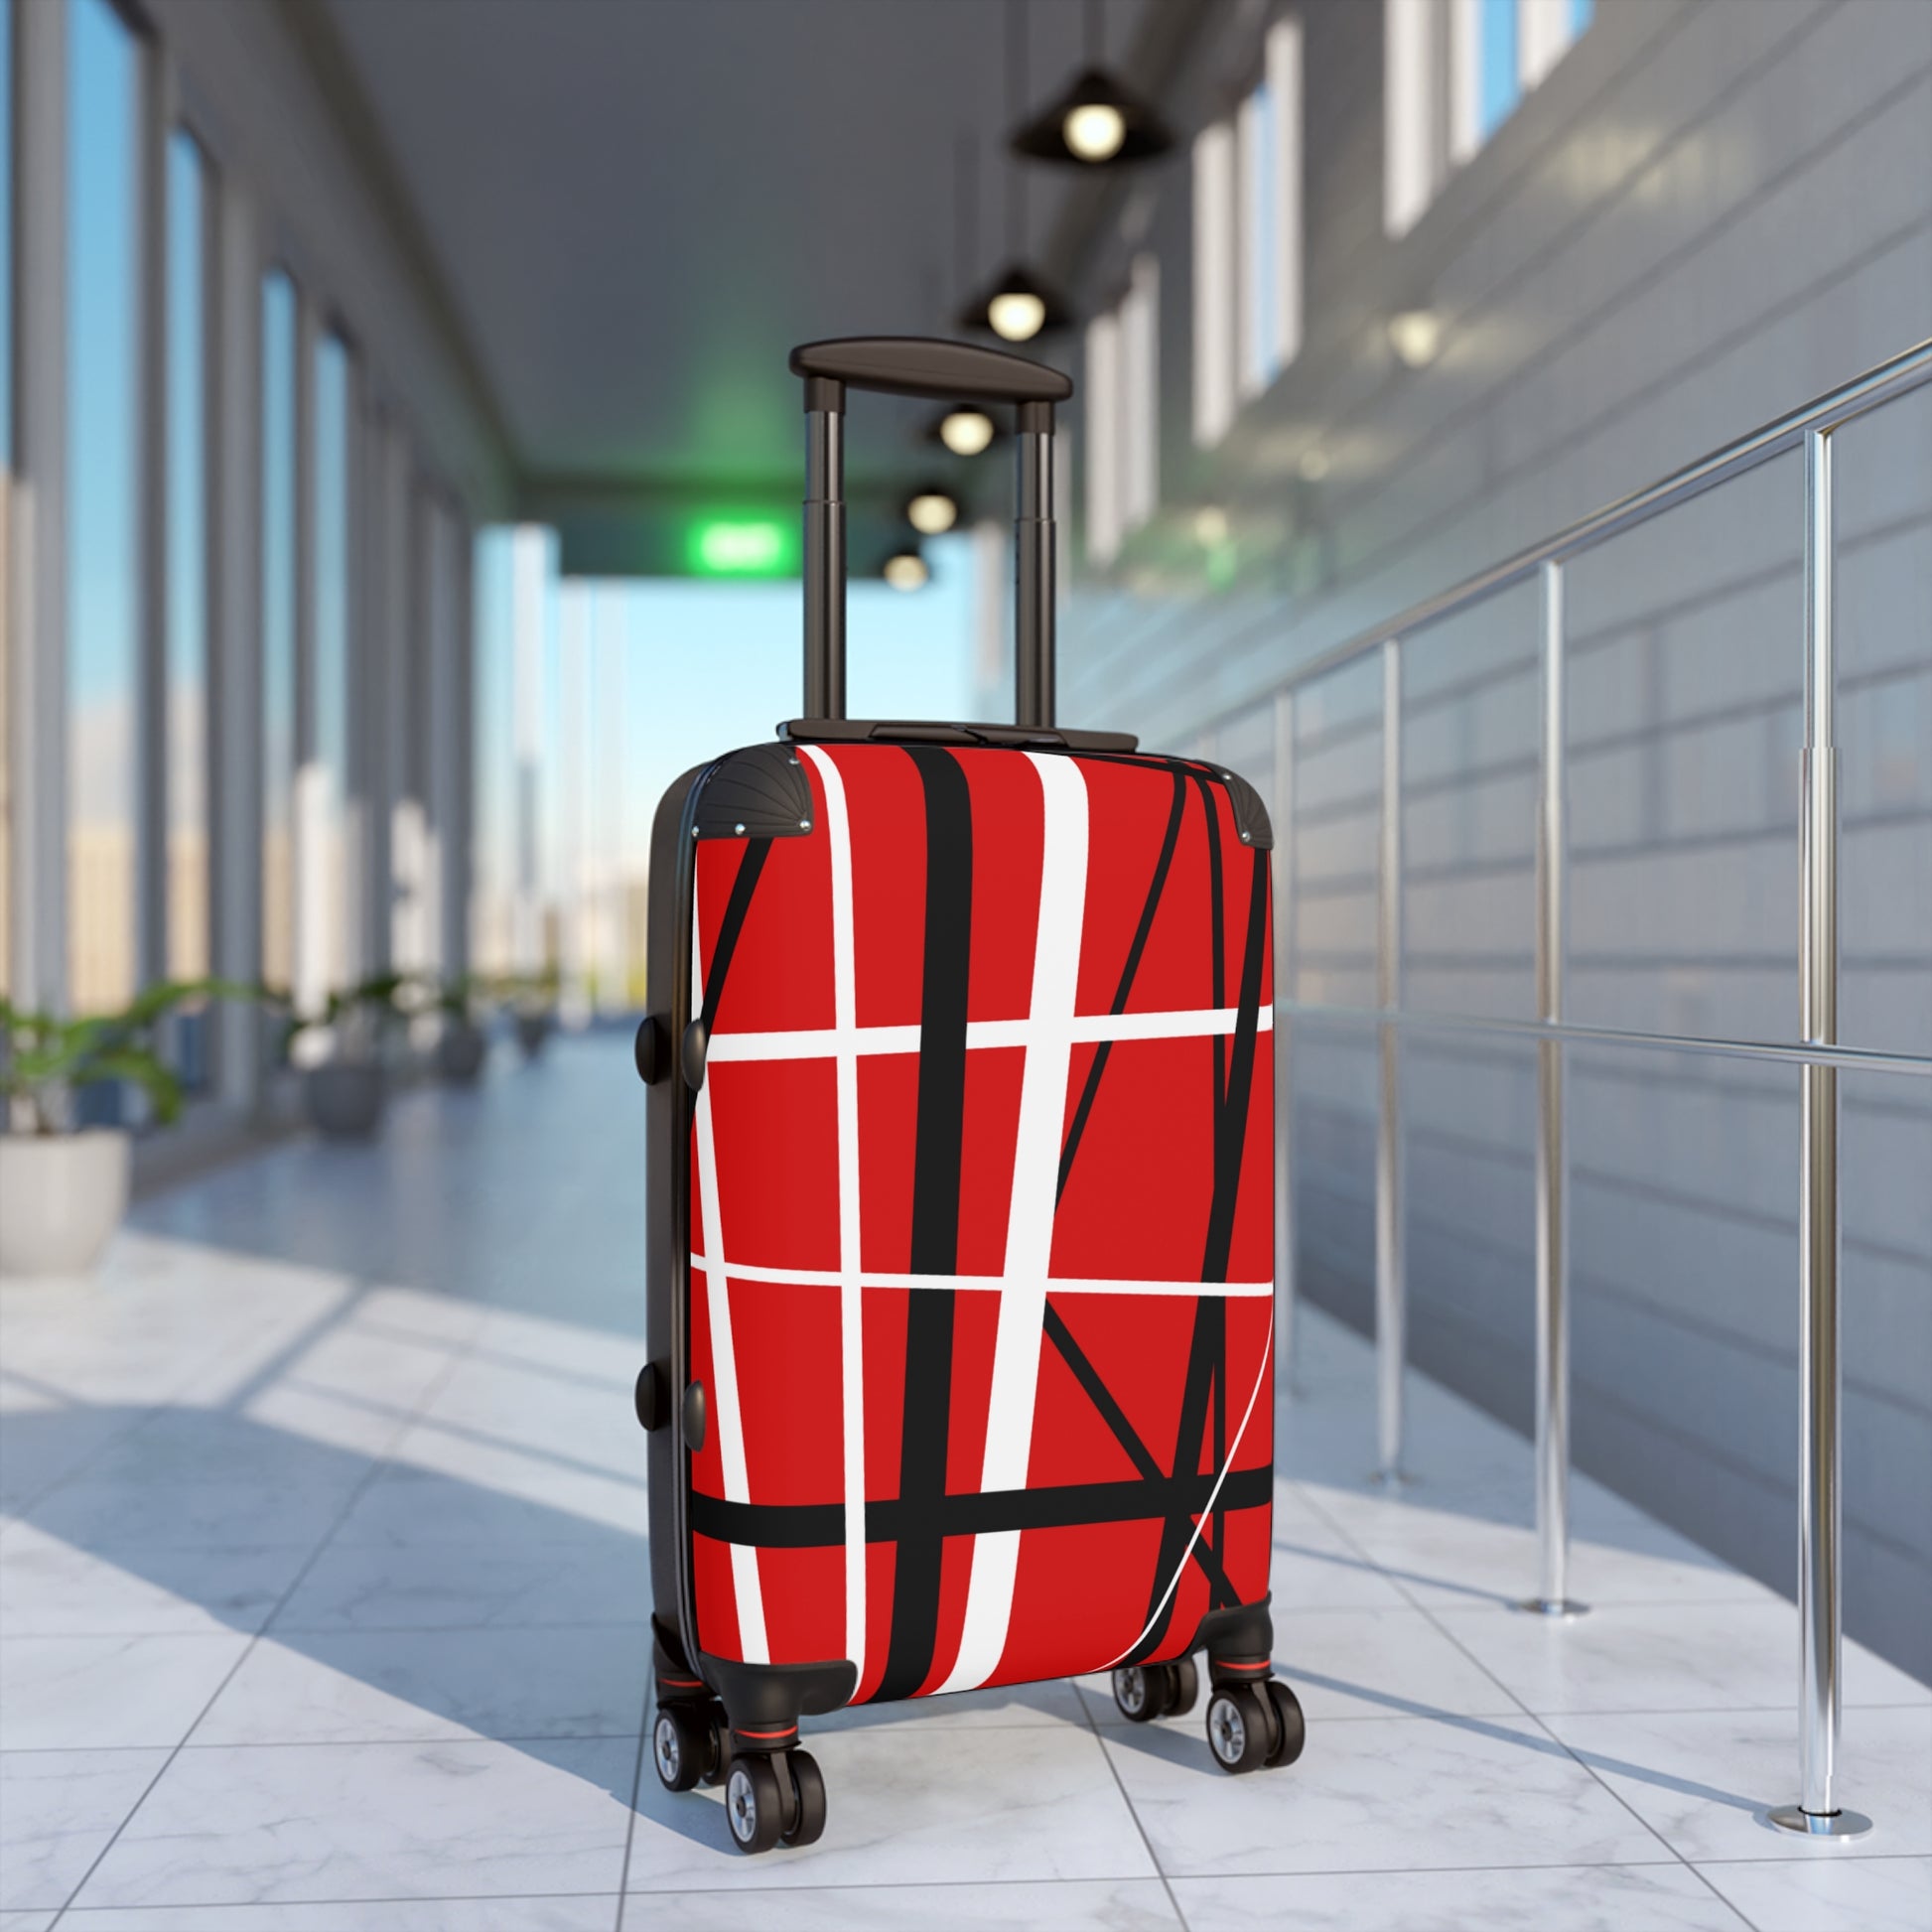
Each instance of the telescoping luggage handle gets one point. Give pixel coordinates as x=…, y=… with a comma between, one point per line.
x=918, y=366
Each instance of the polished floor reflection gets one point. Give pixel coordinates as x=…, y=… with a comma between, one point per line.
x=323, y=1585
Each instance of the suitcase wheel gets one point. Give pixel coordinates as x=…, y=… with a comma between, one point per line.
x=752, y=1804
x=1151, y=1691
x=806, y=1824
x=1294, y=1729
x=1250, y=1725
x=680, y=1745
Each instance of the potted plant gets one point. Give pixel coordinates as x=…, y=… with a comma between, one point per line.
x=64, y=1187
x=535, y=1000
x=345, y=1082
x=462, y=1045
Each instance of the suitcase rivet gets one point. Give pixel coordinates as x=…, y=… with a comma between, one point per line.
x=739, y=830
x=804, y=825
x=694, y=831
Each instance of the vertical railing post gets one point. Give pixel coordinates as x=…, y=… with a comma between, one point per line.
x=1284, y=816
x=1816, y=1812
x=1391, y=1283
x=1552, y=1160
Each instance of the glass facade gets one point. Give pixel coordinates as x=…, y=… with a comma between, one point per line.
x=187, y=607
x=278, y=412
x=102, y=535
x=324, y=781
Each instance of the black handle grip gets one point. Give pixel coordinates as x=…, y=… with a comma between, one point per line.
x=926, y=365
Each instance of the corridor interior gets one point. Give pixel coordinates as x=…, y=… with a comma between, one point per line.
x=324, y=1585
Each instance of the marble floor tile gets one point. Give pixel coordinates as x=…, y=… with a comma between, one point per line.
x=1867, y=1894
x=1705, y=1779
x=58, y=1810
x=1355, y=1664
x=1653, y=1657
x=108, y=1693
x=369, y=1686
x=1441, y=1559
x=1065, y=1906
x=1555, y=1898
x=580, y=1420
x=410, y=1502
x=581, y=1912
x=301, y=1822
x=49, y=1588
x=601, y=1490
x=44, y=1442
x=466, y=1585
x=906, y=1808
x=1376, y=1794
x=27, y=1921
x=238, y=1513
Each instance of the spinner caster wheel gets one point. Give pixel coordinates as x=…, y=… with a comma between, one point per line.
x=1292, y=1730
x=1151, y=1691
x=680, y=1746
x=807, y=1823
x=752, y=1804
x=1141, y=1690
x=1241, y=1728
x=718, y=1761
x=1183, y=1686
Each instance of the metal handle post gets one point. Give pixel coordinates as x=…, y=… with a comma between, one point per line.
x=1032, y=528
x=1816, y=1813
x=1391, y=1277
x=1551, y=1163
x=824, y=563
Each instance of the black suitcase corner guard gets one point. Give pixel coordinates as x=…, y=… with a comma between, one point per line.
x=766, y=1701
x=761, y=792
x=1250, y=814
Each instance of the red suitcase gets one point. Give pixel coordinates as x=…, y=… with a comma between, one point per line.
x=960, y=1176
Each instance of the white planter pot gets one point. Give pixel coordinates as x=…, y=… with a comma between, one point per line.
x=61, y=1196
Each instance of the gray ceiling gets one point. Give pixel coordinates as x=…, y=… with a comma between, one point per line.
x=638, y=207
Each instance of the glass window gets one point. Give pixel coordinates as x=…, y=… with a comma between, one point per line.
x=1500, y=84
x=1122, y=398
x=1480, y=57
x=325, y=783
x=6, y=239
x=103, y=465
x=278, y=626
x=6, y=456
x=187, y=687
x=1215, y=247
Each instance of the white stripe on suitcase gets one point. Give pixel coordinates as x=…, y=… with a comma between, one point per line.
x=852, y=1354
x=1207, y=1508
x=728, y=1416
x=747, y=1271
x=826, y=1042
x=1030, y=1214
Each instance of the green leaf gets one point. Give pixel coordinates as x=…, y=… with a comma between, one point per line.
x=146, y=1070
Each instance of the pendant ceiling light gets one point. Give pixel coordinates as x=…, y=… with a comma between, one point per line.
x=932, y=511
x=1097, y=121
x=965, y=429
x=1017, y=304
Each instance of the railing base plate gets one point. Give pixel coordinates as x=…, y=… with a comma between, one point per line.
x=1556, y=1607
x=1820, y=1824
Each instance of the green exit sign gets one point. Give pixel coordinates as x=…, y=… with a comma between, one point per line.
x=741, y=546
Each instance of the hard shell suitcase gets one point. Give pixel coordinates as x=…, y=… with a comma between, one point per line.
x=960, y=1158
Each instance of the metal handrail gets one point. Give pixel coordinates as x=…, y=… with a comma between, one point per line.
x=1818, y=1054
x=1859, y=397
